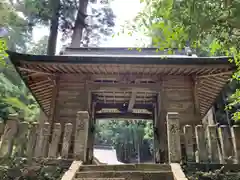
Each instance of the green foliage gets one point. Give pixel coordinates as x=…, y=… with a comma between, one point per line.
x=14, y=96
x=129, y=136
x=3, y=54
x=116, y=131
x=18, y=30
x=17, y=168
x=40, y=47
x=211, y=27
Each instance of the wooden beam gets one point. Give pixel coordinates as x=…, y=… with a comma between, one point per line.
x=33, y=75
x=104, y=86
x=210, y=86
x=123, y=115
x=34, y=84
x=34, y=71
x=122, y=77
x=196, y=95
x=132, y=101
x=54, y=93
x=216, y=74
x=100, y=106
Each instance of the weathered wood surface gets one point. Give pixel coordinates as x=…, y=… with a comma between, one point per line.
x=179, y=97
x=70, y=100
x=178, y=93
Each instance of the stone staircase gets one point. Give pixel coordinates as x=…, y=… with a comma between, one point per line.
x=124, y=172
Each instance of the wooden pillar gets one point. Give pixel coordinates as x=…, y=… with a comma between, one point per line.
x=92, y=122
x=155, y=135
x=162, y=127
x=173, y=133
x=81, y=136
x=53, y=105
x=42, y=118
x=195, y=96
x=211, y=116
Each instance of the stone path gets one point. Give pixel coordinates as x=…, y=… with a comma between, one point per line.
x=106, y=156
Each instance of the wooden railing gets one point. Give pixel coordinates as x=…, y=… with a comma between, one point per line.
x=210, y=144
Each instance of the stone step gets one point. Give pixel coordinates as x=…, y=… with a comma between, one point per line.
x=126, y=167
x=99, y=178
x=127, y=175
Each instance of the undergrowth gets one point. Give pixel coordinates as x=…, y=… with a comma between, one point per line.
x=19, y=169
x=218, y=174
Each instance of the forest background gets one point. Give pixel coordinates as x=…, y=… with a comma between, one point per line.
x=208, y=27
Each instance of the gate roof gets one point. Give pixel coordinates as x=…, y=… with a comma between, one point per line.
x=110, y=65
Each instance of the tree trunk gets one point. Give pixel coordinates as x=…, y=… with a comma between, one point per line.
x=79, y=24
x=52, y=39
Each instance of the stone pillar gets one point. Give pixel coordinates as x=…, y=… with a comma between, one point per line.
x=21, y=139
x=32, y=139
x=81, y=136
x=202, y=155
x=173, y=133
x=66, y=140
x=226, y=144
x=214, y=151
x=42, y=144
x=7, y=140
x=188, y=138
x=235, y=131
x=56, y=135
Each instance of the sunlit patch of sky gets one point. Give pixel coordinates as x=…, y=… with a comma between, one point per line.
x=124, y=10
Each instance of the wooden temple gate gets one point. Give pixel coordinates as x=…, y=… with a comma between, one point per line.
x=189, y=144
x=135, y=85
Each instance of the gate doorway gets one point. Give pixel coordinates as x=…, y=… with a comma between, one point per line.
x=124, y=141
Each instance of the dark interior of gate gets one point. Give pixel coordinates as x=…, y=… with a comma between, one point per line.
x=118, y=83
